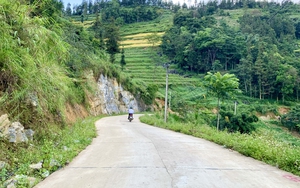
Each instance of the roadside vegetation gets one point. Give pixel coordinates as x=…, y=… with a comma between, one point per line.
x=52, y=148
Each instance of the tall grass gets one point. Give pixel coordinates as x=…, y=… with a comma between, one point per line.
x=32, y=64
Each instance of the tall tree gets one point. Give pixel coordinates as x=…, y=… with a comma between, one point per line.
x=85, y=8
x=68, y=10
x=99, y=30
x=221, y=86
x=287, y=76
x=90, y=7
x=122, y=62
x=112, y=36
x=245, y=72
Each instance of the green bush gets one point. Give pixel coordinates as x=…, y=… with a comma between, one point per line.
x=241, y=122
x=291, y=120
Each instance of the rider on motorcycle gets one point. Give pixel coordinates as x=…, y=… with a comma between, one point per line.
x=130, y=112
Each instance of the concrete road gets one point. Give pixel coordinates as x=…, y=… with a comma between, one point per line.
x=135, y=155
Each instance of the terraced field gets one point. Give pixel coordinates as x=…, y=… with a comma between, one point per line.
x=141, y=62
x=138, y=40
x=140, y=65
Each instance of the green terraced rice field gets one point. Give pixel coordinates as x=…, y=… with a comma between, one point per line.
x=140, y=65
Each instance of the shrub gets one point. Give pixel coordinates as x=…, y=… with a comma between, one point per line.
x=242, y=122
x=291, y=119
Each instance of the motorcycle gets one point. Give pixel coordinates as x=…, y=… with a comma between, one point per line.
x=130, y=118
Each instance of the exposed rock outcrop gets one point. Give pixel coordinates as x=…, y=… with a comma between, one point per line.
x=111, y=98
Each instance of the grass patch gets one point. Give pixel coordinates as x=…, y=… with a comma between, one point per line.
x=53, y=146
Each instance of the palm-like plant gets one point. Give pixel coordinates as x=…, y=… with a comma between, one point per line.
x=221, y=86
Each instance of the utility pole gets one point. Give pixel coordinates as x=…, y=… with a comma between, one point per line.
x=166, y=96
x=170, y=100
x=235, y=103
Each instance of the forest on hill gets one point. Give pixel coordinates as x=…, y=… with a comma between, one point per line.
x=255, y=40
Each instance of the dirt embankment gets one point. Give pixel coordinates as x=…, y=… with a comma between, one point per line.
x=73, y=112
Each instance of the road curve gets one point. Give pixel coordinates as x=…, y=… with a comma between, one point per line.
x=135, y=155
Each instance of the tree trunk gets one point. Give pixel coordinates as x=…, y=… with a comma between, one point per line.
x=250, y=89
x=283, y=93
x=218, y=120
x=235, y=104
x=259, y=90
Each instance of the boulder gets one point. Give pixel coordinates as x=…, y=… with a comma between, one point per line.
x=17, y=133
x=3, y=165
x=36, y=166
x=14, y=132
x=20, y=179
x=29, y=134
x=4, y=125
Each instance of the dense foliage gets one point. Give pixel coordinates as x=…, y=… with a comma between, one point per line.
x=241, y=122
x=123, y=11
x=261, y=51
x=291, y=120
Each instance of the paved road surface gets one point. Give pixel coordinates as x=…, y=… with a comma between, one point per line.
x=135, y=155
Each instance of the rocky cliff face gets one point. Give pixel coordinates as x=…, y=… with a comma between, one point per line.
x=111, y=98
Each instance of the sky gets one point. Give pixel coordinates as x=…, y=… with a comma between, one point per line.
x=73, y=2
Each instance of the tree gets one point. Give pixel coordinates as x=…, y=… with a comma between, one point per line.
x=90, y=7
x=68, y=10
x=85, y=9
x=221, y=86
x=99, y=30
x=291, y=119
x=286, y=77
x=209, y=43
x=122, y=62
x=112, y=39
x=245, y=72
